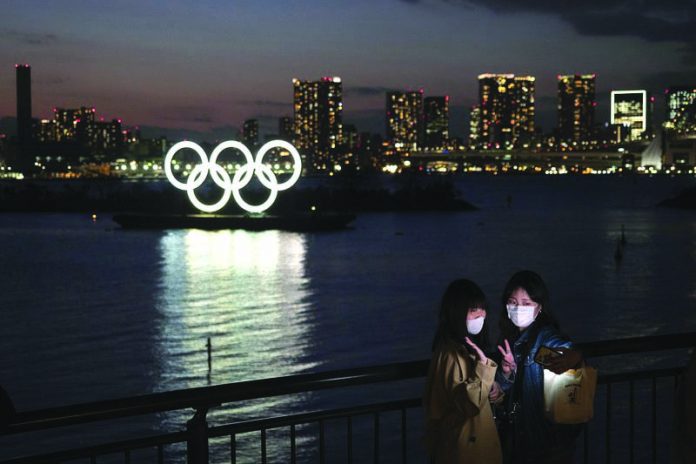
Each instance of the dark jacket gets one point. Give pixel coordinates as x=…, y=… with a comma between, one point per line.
x=534, y=435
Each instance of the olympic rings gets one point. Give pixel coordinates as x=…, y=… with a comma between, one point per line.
x=241, y=178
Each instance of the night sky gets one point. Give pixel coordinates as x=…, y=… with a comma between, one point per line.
x=208, y=65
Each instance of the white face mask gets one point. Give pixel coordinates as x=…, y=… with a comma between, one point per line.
x=474, y=326
x=521, y=316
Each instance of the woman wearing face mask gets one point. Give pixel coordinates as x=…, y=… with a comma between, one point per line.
x=526, y=325
x=459, y=421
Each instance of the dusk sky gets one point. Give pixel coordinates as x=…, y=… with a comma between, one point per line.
x=210, y=64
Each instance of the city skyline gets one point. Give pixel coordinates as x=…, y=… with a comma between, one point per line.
x=223, y=66
x=274, y=124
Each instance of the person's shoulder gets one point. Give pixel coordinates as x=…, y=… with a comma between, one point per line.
x=448, y=351
x=547, y=330
x=550, y=336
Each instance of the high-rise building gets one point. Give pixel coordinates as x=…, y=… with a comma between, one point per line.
x=630, y=109
x=507, y=109
x=350, y=136
x=348, y=156
x=576, y=106
x=318, y=107
x=45, y=131
x=405, y=120
x=106, y=137
x=285, y=128
x=250, y=132
x=24, y=121
x=475, y=125
x=524, y=110
x=436, y=115
x=131, y=136
x=495, y=102
x=369, y=150
x=80, y=128
x=74, y=124
x=681, y=108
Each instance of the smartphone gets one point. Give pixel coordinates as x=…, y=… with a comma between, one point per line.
x=545, y=354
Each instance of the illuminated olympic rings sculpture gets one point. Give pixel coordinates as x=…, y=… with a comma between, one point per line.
x=241, y=177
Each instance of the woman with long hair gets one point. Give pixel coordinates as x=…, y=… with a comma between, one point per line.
x=526, y=325
x=459, y=420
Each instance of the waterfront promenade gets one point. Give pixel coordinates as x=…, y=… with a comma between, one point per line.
x=631, y=428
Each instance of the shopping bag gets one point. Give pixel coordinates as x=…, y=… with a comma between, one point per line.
x=569, y=397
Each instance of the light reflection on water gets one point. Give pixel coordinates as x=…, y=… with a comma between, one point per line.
x=246, y=291
x=249, y=293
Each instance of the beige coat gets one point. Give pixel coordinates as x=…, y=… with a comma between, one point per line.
x=459, y=420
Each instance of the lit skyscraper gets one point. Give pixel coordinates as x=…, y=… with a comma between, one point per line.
x=495, y=104
x=630, y=108
x=475, y=125
x=436, y=114
x=524, y=110
x=576, y=104
x=405, y=120
x=350, y=136
x=24, y=121
x=681, y=107
x=318, y=107
x=46, y=131
x=507, y=109
x=74, y=124
x=285, y=128
x=348, y=156
x=250, y=132
x=106, y=137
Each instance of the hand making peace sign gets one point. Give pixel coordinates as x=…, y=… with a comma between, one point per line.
x=508, y=364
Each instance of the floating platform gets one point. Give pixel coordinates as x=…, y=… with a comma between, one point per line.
x=309, y=222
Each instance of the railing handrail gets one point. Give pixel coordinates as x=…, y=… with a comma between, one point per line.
x=638, y=344
x=206, y=397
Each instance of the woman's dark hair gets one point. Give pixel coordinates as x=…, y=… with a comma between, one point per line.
x=534, y=285
x=460, y=296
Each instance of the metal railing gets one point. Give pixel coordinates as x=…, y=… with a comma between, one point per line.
x=197, y=433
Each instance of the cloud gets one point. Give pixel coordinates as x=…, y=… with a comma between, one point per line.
x=51, y=80
x=179, y=133
x=659, y=81
x=197, y=118
x=366, y=120
x=668, y=20
x=267, y=103
x=265, y=117
x=635, y=24
x=27, y=38
x=225, y=132
x=198, y=114
x=367, y=91
x=172, y=133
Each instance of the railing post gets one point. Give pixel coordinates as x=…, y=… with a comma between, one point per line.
x=197, y=441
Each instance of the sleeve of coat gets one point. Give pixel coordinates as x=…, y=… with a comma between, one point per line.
x=554, y=340
x=505, y=383
x=469, y=393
